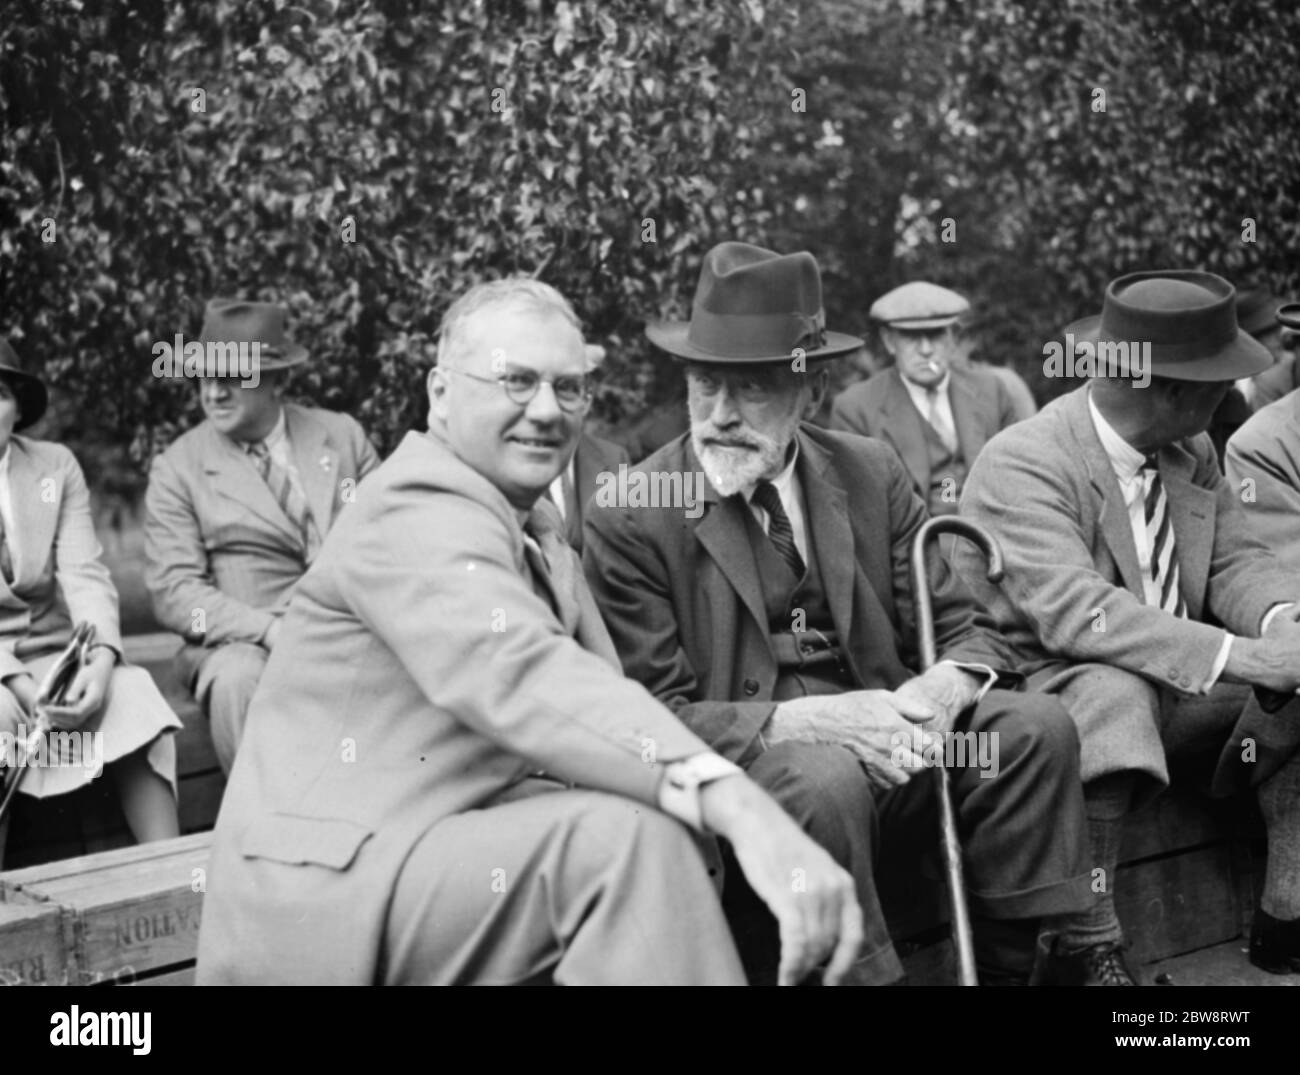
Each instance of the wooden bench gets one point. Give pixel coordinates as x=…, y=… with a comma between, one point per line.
x=129, y=916
x=90, y=819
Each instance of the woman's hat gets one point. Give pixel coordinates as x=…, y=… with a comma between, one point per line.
x=28, y=389
x=753, y=305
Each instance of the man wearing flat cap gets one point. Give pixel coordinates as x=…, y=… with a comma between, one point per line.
x=774, y=615
x=236, y=511
x=936, y=413
x=1136, y=593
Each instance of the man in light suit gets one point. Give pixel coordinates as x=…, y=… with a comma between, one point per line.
x=1263, y=467
x=936, y=412
x=446, y=778
x=1136, y=594
x=235, y=513
x=774, y=614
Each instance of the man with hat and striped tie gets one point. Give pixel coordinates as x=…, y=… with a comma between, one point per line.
x=774, y=615
x=237, y=508
x=1136, y=593
x=936, y=411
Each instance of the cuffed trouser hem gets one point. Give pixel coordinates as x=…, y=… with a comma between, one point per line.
x=1058, y=898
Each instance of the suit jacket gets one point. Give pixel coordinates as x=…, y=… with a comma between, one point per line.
x=881, y=407
x=1047, y=491
x=1266, y=451
x=215, y=538
x=58, y=577
x=683, y=601
x=418, y=674
x=591, y=458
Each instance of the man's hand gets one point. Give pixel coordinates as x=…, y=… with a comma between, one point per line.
x=877, y=726
x=946, y=689
x=811, y=896
x=1272, y=661
x=86, y=695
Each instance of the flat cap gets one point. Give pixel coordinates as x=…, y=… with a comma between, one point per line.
x=919, y=305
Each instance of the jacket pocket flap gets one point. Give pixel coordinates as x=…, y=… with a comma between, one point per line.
x=300, y=840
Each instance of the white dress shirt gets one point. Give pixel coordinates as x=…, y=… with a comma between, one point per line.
x=943, y=422
x=557, y=489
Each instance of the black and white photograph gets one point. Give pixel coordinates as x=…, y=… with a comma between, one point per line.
x=651, y=493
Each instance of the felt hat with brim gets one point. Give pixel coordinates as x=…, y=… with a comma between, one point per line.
x=919, y=306
x=236, y=321
x=1188, y=318
x=753, y=305
x=29, y=390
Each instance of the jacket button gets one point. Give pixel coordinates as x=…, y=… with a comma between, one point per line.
x=751, y=686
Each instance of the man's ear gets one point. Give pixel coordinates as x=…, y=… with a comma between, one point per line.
x=819, y=379
x=888, y=342
x=438, y=383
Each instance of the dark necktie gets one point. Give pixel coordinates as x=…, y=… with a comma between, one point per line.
x=1160, y=535
x=779, y=531
x=291, y=500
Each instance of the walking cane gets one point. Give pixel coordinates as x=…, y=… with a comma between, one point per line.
x=51, y=692
x=963, y=939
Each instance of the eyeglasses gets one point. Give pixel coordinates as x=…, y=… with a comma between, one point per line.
x=572, y=393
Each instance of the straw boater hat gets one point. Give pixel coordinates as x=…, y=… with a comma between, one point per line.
x=753, y=305
x=1189, y=319
x=29, y=390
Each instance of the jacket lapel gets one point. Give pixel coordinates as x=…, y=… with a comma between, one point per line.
x=1192, y=512
x=722, y=533
x=318, y=465
x=967, y=415
x=903, y=430
x=232, y=474
x=35, y=517
x=1115, y=528
x=831, y=534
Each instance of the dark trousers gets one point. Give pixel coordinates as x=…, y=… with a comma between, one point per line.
x=1023, y=834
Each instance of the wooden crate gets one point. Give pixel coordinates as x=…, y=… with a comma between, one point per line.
x=124, y=913
x=31, y=944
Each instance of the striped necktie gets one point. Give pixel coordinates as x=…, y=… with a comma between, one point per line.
x=288, y=495
x=779, y=531
x=1160, y=538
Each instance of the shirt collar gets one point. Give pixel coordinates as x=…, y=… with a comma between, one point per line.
x=279, y=434
x=1125, y=460
x=4, y=459
x=918, y=391
x=784, y=482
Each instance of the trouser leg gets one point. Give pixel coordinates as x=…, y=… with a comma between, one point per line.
x=579, y=886
x=224, y=687
x=827, y=793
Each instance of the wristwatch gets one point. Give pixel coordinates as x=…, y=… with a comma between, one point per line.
x=679, y=790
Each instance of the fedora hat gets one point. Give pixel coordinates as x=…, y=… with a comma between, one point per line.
x=1288, y=316
x=28, y=389
x=1189, y=319
x=238, y=321
x=753, y=305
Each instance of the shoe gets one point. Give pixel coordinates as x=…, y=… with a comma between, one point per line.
x=1101, y=964
x=1275, y=944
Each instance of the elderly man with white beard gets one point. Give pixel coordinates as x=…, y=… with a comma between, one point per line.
x=778, y=624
